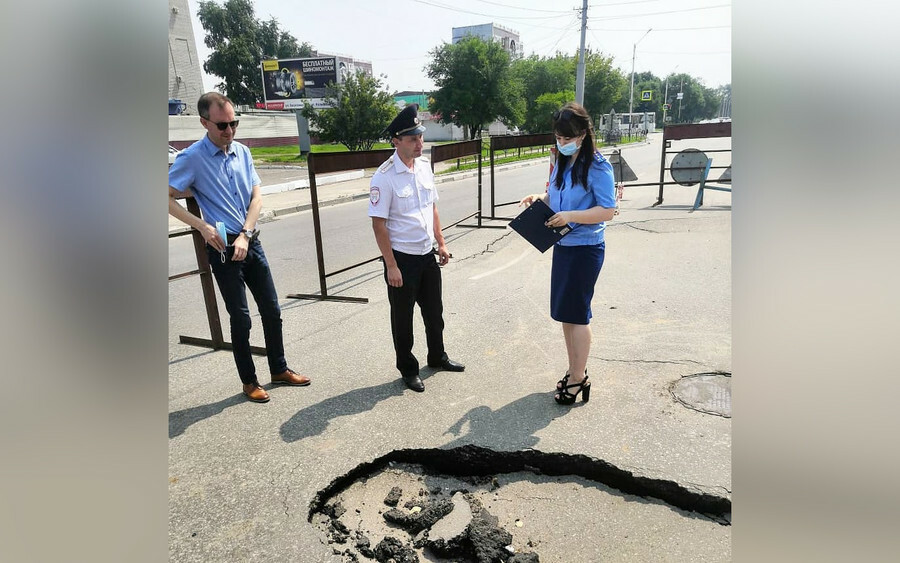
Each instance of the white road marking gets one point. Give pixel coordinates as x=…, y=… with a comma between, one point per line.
x=501, y=268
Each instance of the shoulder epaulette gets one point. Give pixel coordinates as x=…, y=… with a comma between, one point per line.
x=386, y=165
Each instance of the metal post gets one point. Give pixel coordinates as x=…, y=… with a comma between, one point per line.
x=303, y=133
x=631, y=97
x=206, y=281
x=579, y=73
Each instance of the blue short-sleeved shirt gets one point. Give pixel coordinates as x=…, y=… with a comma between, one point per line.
x=602, y=192
x=222, y=184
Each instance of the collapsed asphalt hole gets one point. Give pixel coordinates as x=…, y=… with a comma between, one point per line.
x=708, y=392
x=480, y=505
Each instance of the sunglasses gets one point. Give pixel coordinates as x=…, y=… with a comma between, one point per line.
x=562, y=115
x=224, y=125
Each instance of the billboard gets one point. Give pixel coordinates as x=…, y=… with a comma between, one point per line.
x=289, y=83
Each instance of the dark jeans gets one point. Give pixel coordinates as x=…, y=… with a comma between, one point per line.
x=422, y=285
x=253, y=272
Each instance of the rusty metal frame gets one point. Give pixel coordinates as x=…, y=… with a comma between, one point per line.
x=320, y=163
x=216, y=342
x=682, y=132
x=440, y=153
x=512, y=142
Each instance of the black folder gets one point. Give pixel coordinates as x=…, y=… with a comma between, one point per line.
x=530, y=224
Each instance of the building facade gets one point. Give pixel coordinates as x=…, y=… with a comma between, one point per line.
x=185, y=78
x=507, y=38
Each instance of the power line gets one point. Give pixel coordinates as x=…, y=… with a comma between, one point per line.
x=686, y=53
x=492, y=16
x=607, y=18
x=565, y=31
x=604, y=5
x=532, y=9
x=655, y=29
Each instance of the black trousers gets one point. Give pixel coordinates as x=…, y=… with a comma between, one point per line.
x=422, y=285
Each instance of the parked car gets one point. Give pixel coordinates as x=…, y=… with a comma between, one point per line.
x=173, y=152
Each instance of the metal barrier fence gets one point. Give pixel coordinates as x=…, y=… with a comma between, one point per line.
x=320, y=163
x=216, y=340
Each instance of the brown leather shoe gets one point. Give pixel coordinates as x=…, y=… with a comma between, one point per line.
x=290, y=377
x=256, y=393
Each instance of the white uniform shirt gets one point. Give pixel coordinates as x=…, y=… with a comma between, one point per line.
x=406, y=199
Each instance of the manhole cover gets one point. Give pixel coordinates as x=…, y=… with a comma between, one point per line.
x=705, y=392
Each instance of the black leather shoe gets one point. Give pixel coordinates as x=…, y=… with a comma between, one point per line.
x=447, y=365
x=414, y=382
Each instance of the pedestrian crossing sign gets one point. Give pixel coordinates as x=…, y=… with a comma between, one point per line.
x=646, y=95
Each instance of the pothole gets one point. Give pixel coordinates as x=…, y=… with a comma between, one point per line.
x=471, y=504
x=708, y=393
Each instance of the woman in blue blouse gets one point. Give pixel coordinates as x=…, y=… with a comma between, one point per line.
x=581, y=192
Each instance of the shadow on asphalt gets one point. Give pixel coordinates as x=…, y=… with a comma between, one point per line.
x=180, y=420
x=512, y=426
x=314, y=419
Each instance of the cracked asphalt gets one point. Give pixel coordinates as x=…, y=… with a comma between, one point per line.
x=242, y=475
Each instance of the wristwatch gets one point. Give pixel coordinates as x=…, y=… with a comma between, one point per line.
x=251, y=233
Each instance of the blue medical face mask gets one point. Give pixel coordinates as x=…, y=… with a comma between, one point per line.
x=568, y=149
x=220, y=227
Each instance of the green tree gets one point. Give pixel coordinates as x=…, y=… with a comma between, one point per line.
x=698, y=101
x=239, y=43
x=538, y=76
x=360, y=111
x=605, y=87
x=544, y=106
x=474, y=86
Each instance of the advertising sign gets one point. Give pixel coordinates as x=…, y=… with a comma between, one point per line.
x=289, y=83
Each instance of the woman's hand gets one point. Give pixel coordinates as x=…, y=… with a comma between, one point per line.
x=529, y=199
x=560, y=219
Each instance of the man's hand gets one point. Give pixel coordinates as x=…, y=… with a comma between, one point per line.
x=212, y=238
x=241, y=243
x=395, y=278
x=443, y=255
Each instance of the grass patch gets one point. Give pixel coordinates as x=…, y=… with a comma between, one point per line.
x=291, y=153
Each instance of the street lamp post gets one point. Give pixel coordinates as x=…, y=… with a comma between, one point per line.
x=666, y=95
x=631, y=97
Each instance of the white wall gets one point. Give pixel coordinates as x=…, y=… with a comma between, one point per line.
x=188, y=128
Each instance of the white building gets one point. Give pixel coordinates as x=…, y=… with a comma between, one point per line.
x=185, y=80
x=507, y=38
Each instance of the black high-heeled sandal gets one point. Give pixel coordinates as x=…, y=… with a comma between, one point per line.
x=562, y=383
x=565, y=397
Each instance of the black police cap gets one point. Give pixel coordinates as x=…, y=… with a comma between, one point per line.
x=406, y=123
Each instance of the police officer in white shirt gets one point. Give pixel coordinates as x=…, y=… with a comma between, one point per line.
x=406, y=224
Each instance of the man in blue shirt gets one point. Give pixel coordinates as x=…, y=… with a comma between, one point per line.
x=219, y=173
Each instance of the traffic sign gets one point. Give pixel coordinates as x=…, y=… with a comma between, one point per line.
x=646, y=95
x=679, y=96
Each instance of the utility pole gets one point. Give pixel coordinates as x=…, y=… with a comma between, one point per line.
x=631, y=97
x=579, y=74
x=680, y=96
